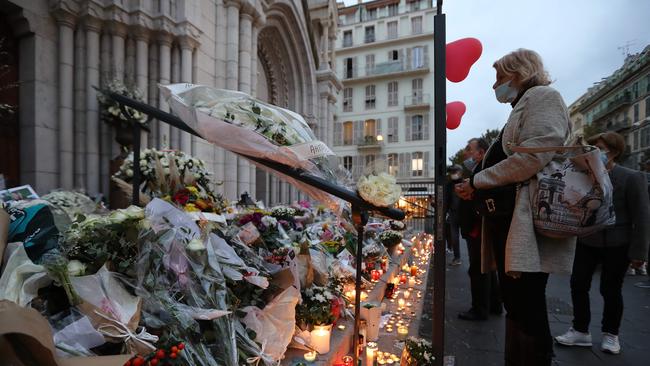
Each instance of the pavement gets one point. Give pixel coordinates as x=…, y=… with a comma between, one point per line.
x=482, y=343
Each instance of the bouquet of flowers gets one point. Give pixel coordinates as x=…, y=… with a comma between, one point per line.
x=72, y=203
x=417, y=352
x=254, y=128
x=390, y=237
x=394, y=225
x=379, y=189
x=110, y=109
x=317, y=306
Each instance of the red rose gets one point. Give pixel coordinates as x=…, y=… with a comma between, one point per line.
x=181, y=197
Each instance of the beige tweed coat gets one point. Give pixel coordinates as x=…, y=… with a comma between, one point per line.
x=540, y=118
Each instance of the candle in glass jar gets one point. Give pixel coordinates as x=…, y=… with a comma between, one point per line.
x=320, y=338
x=407, y=294
x=401, y=303
x=414, y=270
x=402, y=278
x=371, y=349
x=348, y=361
x=310, y=356
x=411, y=281
x=375, y=275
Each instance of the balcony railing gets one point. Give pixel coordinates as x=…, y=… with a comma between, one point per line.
x=417, y=100
x=385, y=68
x=369, y=38
x=362, y=15
x=625, y=99
x=369, y=143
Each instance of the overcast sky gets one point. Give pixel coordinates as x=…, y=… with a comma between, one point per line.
x=579, y=41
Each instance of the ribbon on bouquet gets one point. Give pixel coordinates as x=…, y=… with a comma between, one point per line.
x=119, y=330
x=262, y=357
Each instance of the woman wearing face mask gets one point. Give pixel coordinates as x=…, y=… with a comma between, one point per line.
x=614, y=248
x=522, y=258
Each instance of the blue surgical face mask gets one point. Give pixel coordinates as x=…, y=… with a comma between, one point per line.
x=604, y=158
x=470, y=164
x=506, y=93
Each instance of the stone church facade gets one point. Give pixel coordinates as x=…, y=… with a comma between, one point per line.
x=278, y=50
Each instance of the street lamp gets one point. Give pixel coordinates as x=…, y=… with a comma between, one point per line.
x=380, y=138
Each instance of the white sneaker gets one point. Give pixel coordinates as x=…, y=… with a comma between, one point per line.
x=630, y=271
x=643, y=270
x=574, y=338
x=610, y=344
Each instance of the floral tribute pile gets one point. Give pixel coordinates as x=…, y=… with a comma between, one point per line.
x=190, y=279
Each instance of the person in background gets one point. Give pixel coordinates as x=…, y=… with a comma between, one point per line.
x=645, y=167
x=484, y=286
x=614, y=248
x=453, y=204
x=523, y=258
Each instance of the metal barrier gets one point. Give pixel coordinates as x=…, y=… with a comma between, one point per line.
x=420, y=224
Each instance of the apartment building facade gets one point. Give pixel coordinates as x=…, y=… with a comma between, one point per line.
x=620, y=103
x=384, y=112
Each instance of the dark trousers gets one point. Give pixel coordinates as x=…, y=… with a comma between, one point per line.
x=484, y=286
x=453, y=238
x=614, y=261
x=528, y=335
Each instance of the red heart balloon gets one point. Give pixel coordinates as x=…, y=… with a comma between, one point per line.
x=460, y=56
x=455, y=111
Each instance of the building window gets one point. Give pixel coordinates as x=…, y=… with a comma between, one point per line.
x=370, y=130
x=417, y=164
x=393, y=129
x=371, y=14
x=391, y=30
x=417, y=57
x=347, y=38
x=370, y=34
x=392, y=94
x=416, y=25
x=393, y=55
x=636, y=113
x=370, y=97
x=370, y=64
x=645, y=137
x=647, y=84
x=416, y=85
x=635, y=90
x=348, y=67
x=647, y=107
x=347, y=163
x=417, y=128
x=636, y=140
x=415, y=5
x=347, y=133
x=370, y=160
x=392, y=9
x=350, y=18
x=347, y=100
x=392, y=164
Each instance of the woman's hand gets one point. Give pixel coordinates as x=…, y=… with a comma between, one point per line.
x=464, y=190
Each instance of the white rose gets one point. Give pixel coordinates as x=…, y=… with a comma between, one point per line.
x=118, y=216
x=129, y=173
x=195, y=245
x=76, y=268
x=134, y=212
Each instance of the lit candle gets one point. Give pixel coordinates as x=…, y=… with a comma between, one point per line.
x=348, y=361
x=409, y=304
x=401, y=303
x=389, y=329
x=406, y=268
x=414, y=270
x=310, y=356
x=341, y=327
x=402, y=278
x=320, y=338
x=407, y=294
x=371, y=349
x=375, y=275
x=411, y=281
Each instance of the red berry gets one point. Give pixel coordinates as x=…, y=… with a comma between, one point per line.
x=172, y=355
x=138, y=361
x=181, y=346
x=160, y=354
x=174, y=349
x=154, y=362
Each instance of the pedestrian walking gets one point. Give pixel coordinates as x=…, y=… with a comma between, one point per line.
x=614, y=248
x=484, y=286
x=453, y=204
x=523, y=258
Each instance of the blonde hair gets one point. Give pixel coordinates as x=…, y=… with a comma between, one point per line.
x=526, y=65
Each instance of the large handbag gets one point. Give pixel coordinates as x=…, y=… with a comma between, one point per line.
x=572, y=195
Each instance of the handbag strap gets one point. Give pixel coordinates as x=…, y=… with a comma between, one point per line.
x=535, y=150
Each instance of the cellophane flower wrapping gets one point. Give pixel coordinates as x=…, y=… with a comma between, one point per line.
x=241, y=124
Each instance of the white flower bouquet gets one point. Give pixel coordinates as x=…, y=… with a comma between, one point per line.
x=417, y=352
x=241, y=124
x=390, y=237
x=379, y=189
x=110, y=109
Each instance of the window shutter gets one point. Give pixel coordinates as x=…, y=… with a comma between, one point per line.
x=426, y=54
x=395, y=129
x=408, y=58
x=425, y=126
x=425, y=164
x=357, y=133
x=354, y=67
x=378, y=127
x=338, y=134
x=407, y=125
x=401, y=167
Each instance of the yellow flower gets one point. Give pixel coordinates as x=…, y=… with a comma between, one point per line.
x=193, y=190
x=190, y=207
x=167, y=198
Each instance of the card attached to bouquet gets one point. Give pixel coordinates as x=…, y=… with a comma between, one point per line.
x=249, y=234
x=311, y=150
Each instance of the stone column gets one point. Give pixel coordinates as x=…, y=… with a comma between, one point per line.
x=65, y=22
x=329, y=127
x=106, y=131
x=129, y=68
x=187, y=47
x=118, y=34
x=220, y=82
x=325, y=40
x=232, y=72
x=245, y=43
x=142, y=71
x=80, y=109
x=257, y=25
x=174, y=133
x=153, y=92
x=322, y=122
x=92, y=27
x=164, y=59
